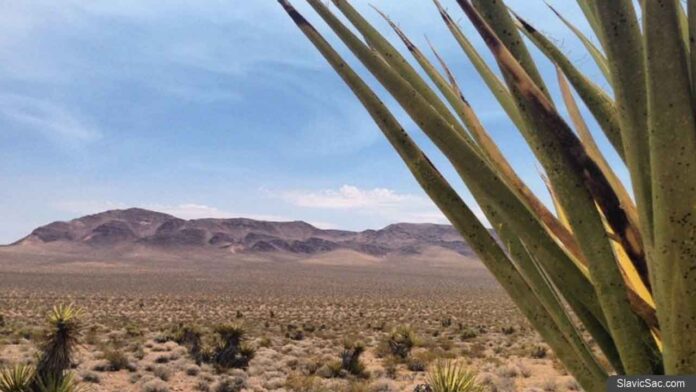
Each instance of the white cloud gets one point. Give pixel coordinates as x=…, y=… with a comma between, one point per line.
x=348, y=196
x=51, y=120
x=385, y=203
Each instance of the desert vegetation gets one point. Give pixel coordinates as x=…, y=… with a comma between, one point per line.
x=386, y=328
x=621, y=258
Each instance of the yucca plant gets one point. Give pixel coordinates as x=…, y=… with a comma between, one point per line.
x=17, y=378
x=451, y=376
x=350, y=358
x=66, y=383
x=231, y=349
x=614, y=260
x=58, y=346
x=401, y=340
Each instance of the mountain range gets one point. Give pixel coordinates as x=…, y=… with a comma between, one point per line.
x=136, y=227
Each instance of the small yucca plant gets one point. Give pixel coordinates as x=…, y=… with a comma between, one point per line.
x=66, y=383
x=401, y=340
x=451, y=376
x=59, y=344
x=616, y=260
x=17, y=378
x=350, y=358
x=231, y=350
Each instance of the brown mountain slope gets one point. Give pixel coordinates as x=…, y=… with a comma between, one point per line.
x=137, y=227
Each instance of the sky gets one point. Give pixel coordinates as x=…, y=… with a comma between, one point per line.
x=213, y=108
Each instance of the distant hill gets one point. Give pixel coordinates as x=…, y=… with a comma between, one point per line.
x=136, y=227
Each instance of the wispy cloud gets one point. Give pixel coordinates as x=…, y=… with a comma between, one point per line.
x=55, y=122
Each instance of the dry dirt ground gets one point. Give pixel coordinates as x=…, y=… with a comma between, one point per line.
x=297, y=314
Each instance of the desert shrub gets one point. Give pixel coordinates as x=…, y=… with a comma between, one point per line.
x=192, y=370
x=416, y=365
x=538, y=352
x=383, y=385
x=295, y=334
x=331, y=369
x=229, y=384
x=155, y=386
x=132, y=330
x=16, y=378
x=450, y=376
x=468, y=333
x=91, y=377
x=189, y=336
x=357, y=386
x=162, y=372
x=508, y=330
x=350, y=358
x=203, y=386
x=401, y=341
x=297, y=382
x=139, y=352
x=508, y=371
x=230, y=350
x=390, y=367
x=265, y=342
x=116, y=359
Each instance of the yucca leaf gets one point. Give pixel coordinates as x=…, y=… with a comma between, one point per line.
x=399, y=63
x=578, y=183
x=597, y=101
x=542, y=285
x=478, y=175
x=596, y=54
x=630, y=243
x=691, y=14
x=494, y=83
x=498, y=18
x=636, y=276
x=17, y=378
x=590, y=12
x=452, y=206
x=672, y=130
x=486, y=144
x=684, y=27
x=624, y=50
x=470, y=166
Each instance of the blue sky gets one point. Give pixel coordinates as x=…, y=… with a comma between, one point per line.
x=215, y=108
